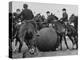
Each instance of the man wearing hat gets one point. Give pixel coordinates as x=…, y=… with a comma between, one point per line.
x=16, y=14
x=26, y=13
x=49, y=17
x=64, y=15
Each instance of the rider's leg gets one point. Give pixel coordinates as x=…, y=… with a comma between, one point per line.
x=20, y=46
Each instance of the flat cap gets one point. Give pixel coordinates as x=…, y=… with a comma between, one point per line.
x=63, y=9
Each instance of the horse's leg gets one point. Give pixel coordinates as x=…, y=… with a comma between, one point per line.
x=20, y=46
x=26, y=51
x=17, y=39
x=16, y=36
x=65, y=41
x=60, y=41
x=76, y=41
x=77, y=45
x=70, y=37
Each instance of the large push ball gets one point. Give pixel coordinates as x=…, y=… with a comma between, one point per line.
x=46, y=39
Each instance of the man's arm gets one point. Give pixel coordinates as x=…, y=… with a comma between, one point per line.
x=32, y=14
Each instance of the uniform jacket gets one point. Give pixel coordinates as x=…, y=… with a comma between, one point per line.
x=65, y=17
x=26, y=14
x=51, y=18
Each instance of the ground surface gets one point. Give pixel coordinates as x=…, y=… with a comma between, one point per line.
x=45, y=54
x=51, y=53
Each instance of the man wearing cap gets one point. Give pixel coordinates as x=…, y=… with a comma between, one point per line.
x=50, y=17
x=16, y=14
x=64, y=15
x=26, y=13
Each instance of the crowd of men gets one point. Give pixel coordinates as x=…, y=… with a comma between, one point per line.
x=27, y=14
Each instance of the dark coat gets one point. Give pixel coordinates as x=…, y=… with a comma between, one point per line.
x=51, y=18
x=65, y=17
x=26, y=14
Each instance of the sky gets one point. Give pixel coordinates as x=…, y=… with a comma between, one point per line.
x=43, y=7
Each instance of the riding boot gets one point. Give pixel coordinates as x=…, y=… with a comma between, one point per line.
x=71, y=40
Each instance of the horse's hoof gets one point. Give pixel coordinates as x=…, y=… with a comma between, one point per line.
x=31, y=51
x=57, y=49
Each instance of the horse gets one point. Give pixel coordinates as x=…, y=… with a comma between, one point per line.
x=73, y=22
x=40, y=22
x=65, y=29
x=26, y=32
x=60, y=29
x=72, y=34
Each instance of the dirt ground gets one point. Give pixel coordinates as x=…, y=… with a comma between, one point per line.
x=62, y=52
x=45, y=54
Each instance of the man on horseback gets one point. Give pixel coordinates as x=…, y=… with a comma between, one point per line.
x=51, y=17
x=26, y=13
x=62, y=31
x=15, y=15
x=64, y=16
x=69, y=30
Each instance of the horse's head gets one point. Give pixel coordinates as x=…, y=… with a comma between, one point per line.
x=38, y=18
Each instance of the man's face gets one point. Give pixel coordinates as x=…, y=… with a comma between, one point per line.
x=64, y=11
x=18, y=12
x=48, y=14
